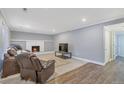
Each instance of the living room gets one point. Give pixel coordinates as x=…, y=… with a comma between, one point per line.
x=70, y=41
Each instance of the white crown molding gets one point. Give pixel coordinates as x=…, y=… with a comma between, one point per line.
x=30, y=40
x=90, y=61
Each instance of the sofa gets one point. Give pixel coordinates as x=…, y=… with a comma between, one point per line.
x=31, y=68
x=10, y=66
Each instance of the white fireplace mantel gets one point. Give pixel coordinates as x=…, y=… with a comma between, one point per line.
x=31, y=43
x=45, y=45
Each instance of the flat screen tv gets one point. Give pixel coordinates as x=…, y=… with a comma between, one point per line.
x=63, y=47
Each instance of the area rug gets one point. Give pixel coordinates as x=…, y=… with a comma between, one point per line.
x=51, y=56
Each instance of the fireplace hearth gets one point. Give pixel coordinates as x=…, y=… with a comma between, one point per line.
x=35, y=48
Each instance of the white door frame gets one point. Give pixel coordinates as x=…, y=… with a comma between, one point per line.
x=107, y=44
x=110, y=45
x=113, y=46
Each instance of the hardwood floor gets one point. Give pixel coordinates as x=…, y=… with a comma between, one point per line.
x=112, y=72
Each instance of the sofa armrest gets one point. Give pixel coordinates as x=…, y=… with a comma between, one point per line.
x=48, y=63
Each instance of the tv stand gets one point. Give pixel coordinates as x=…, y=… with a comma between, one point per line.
x=63, y=55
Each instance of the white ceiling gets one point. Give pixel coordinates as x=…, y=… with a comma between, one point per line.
x=57, y=20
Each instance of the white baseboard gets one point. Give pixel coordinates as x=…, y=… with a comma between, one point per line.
x=111, y=59
x=90, y=61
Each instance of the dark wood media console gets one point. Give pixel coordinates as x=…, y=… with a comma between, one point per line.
x=63, y=55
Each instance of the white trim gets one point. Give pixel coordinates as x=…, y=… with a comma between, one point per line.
x=111, y=59
x=90, y=61
x=29, y=40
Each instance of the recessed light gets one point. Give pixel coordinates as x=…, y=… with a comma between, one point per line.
x=84, y=19
x=53, y=30
x=27, y=26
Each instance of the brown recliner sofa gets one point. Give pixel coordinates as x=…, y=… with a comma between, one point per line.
x=31, y=68
x=10, y=66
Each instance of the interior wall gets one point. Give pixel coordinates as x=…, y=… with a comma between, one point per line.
x=0, y=36
x=0, y=48
x=17, y=35
x=121, y=45
x=4, y=39
x=84, y=43
x=21, y=43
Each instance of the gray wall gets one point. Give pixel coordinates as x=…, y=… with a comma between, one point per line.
x=48, y=46
x=21, y=43
x=86, y=42
x=1, y=49
x=117, y=35
x=120, y=45
x=4, y=39
x=30, y=36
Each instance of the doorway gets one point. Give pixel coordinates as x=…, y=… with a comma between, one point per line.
x=114, y=42
x=120, y=42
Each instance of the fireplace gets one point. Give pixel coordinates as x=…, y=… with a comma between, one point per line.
x=35, y=48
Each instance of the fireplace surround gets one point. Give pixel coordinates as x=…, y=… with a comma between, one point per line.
x=44, y=45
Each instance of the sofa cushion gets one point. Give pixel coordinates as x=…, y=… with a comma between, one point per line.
x=12, y=52
x=36, y=63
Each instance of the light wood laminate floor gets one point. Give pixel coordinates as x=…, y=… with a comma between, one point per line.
x=112, y=72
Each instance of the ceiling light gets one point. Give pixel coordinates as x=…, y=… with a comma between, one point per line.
x=27, y=26
x=53, y=30
x=84, y=19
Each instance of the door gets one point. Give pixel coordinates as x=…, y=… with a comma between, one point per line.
x=107, y=46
